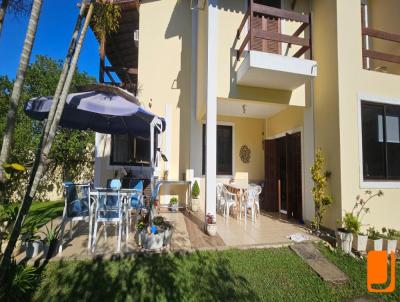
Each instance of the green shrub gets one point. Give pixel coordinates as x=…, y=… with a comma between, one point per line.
x=20, y=282
x=195, y=190
x=173, y=200
x=391, y=234
x=351, y=223
x=322, y=200
x=8, y=212
x=373, y=234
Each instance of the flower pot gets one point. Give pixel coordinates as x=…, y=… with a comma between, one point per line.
x=33, y=248
x=138, y=237
x=345, y=240
x=391, y=245
x=360, y=243
x=153, y=241
x=167, y=237
x=195, y=204
x=174, y=207
x=375, y=245
x=211, y=229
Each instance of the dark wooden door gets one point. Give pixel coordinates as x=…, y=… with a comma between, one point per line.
x=270, y=201
x=260, y=22
x=293, y=175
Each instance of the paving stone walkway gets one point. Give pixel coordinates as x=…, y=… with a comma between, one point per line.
x=322, y=266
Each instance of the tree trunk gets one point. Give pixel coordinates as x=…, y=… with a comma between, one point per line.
x=18, y=84
x=40, y=161
x=64, y=72
x=3, y=10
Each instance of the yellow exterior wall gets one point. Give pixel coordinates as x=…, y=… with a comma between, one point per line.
x=326, y=107
x=288, y=119
x=165, y=71
x=353, y=79
x=248, y=131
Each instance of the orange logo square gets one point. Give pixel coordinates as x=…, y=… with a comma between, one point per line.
x=377, y=271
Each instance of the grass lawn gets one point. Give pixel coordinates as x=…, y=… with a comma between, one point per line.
x=233, y=275
x=41, y=213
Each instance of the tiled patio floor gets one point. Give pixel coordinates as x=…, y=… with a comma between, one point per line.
x=268, y=229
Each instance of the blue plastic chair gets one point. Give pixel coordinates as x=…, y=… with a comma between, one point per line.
x=109, y=210
x=136, y=200
x=77, y=207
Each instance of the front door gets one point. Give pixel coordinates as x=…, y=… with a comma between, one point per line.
x=294, y=190
x=283, y=175
x=260, y=22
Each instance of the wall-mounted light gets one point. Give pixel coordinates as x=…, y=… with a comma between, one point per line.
x=197, y=4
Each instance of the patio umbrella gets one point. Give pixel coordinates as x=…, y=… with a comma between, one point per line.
x=100, y=111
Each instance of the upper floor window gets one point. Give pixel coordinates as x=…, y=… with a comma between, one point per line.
x=380, y=141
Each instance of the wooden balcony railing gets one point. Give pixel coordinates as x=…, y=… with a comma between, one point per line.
x=263, y=30
x=378, y=55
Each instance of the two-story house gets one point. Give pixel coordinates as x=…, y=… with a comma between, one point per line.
x=251, y=88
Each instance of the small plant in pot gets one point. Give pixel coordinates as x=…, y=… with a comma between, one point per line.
x=360, y=209
x=195, y=197
x=391, y=236
x=174, y=204
x=351, y=225
x=164, y=227
x=211, y=224
x=376, y=238
x=32, y=242
x=50, y=240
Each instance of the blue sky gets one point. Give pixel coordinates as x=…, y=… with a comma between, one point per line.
x=57, y=21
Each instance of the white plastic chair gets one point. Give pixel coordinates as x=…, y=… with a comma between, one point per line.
x=220, y=199
x=78, y=206
x=229, y=200
x=109, y=210
x=251, y=201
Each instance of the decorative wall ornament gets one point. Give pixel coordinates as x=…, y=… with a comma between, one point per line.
x=244, y=154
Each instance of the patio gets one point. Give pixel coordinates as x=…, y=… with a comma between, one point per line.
x=268, y=231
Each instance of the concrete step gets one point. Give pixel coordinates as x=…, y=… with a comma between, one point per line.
x=322, y=266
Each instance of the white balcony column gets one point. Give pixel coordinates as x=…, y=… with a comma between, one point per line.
x=211, y=106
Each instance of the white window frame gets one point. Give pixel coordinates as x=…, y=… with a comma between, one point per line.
x=373, y=184
x=222, y=123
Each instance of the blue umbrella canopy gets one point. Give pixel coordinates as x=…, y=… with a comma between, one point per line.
x=100, y=111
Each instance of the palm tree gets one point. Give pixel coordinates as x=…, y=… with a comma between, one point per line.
x=18, y=84
x=53, y=121
x=16, y=6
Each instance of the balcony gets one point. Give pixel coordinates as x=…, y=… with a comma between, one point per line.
x=380, y=54
x=262, y=62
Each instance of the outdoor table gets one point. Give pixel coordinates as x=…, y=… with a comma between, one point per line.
x=238, y=188
x=187, y=184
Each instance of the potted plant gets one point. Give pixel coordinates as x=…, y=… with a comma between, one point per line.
x=195, y=197
x=140, y=226
x=374, y=235
x=391, y=236
x=351, y=225
x=164, y=227
x=174, y=204
x=50, y=240
x=211, y=224
x=32, y=242
x=360, y=209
